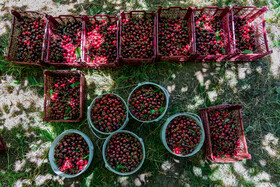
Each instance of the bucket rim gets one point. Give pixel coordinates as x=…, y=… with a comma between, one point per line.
x=107, y=165
x=166, y=106
x=190, y=115
x=89, y=114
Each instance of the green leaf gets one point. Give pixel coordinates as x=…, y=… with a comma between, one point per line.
x=153, y=111
x=247, y=52
x=64, y=29
x=87, y=156
x=66, y=118
x=161, y=109
x=276, y=43
x=68, y=110
x=75, y=84
x=119, y=167
x=226, y=120
x=78, y=52
x=218, y=36
x=223, y=51
x=16, y=82
x=51, y=92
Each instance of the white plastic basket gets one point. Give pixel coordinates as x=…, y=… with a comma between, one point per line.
x=189, y=115
x=57, y=140
x=107, y=165
x=91, y=125
x=166, y=95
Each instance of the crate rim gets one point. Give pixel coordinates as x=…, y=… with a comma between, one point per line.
x=252, y=15
x=203, y=113
x=16, y=14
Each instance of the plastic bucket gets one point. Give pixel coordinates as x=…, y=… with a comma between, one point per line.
x=190, y=115
x=107, y=165
x=57, y=140
x=91, y=125
x=167, y=101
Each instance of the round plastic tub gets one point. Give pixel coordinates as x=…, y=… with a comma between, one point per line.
x=91, y=125
x=167, y=101
x=190, y=115
x=107, y=165
x=57, y=140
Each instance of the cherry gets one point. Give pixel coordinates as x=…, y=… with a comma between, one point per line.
x=210, y=35
x=65, y=97
x=68, y=159
x=137, y=37
x=124, y=152
x=173, y=37
x=29, y=39
x=224, y=133
x=108, y=113
x=65, y=44
x=147, y=102
x=244, y=34
x=101, y=41
x=182, y=135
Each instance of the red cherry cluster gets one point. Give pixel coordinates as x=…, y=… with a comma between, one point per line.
x=147, y=102
x=65, y=97
x=224, y=133
x=124, y=152
x=71, y=154
x=137, y=37
x=244, y=34
x=209, y=35
x=101, y=42
x=173, y=37
x=30, y=39
x=108, y=113
x=65, y=44
x=183, y=135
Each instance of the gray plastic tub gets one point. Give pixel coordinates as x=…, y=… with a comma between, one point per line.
x=57, y=140
x=107, y=165
x=94, y=130
x=167, y=101
x=190, y=115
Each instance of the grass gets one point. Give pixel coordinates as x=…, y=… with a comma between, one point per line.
x=191, y=86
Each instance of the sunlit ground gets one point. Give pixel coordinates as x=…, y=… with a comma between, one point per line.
x=255, y=85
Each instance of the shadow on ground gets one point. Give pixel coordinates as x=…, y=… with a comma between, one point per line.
x=191, y=86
